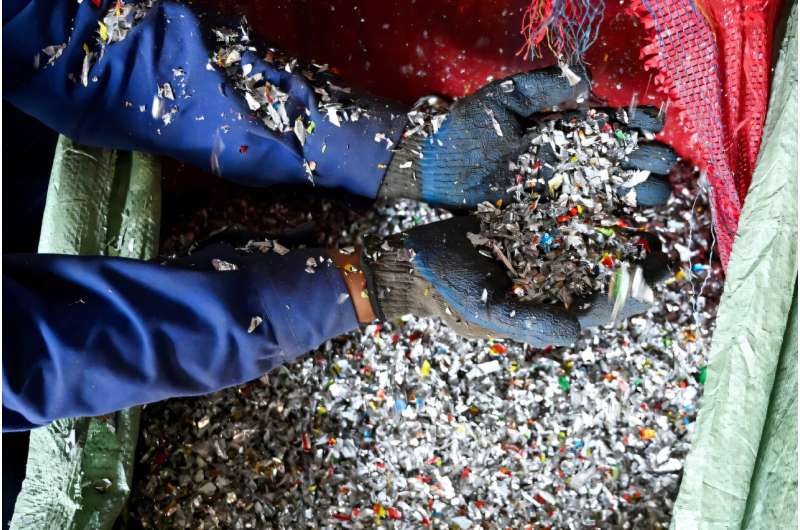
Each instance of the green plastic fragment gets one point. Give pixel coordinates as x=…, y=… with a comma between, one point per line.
x=703, y=375
x=563, y=381
x=608, y=232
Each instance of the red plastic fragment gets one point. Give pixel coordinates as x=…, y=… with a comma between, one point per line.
x=498, y=348
x=160, y=458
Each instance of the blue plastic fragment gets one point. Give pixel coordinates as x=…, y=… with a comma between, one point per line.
x=545, y=241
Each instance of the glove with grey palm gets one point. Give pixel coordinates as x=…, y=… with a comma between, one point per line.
x=464, y=159
x=434, y=270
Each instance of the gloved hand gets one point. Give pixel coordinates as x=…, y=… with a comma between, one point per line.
x=434, y=270
x=466, y=160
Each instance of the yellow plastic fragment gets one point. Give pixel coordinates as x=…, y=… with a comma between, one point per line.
x=647, y=433
x=425, y=370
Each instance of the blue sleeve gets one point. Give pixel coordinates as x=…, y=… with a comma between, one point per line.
x=86, y=336
x=202, y=120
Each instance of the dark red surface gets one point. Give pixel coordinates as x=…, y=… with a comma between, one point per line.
x=405, y=49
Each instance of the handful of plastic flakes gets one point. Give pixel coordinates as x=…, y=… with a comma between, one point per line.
x=567, y=234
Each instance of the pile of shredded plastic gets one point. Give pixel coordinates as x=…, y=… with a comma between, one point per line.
x=406, y=425
x=561, y=237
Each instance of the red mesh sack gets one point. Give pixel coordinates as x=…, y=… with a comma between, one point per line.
x=714, y=60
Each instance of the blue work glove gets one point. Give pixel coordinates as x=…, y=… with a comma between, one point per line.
x=466, y=160
x=657, y=158
x=434, y=270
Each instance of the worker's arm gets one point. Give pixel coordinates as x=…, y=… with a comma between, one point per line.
x=63, y=65
x=90, y=335
x=173, y=85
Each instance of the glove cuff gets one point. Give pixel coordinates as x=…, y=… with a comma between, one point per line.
x=403, y=178
x=394, y=287
x=396, y=290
